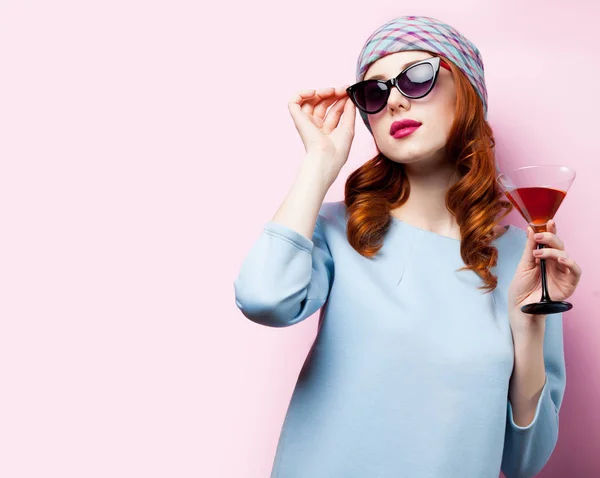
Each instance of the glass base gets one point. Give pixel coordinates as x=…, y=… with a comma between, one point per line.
x=548, y=307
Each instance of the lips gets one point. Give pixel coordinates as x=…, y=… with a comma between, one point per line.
x=402, y=124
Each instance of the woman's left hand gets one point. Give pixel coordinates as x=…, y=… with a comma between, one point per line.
x=562, y=272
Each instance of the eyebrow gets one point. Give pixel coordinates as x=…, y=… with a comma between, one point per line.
x=382, y=77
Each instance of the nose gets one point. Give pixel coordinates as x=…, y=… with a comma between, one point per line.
x=397, y=100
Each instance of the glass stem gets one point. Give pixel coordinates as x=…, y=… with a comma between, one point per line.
x=545, y=295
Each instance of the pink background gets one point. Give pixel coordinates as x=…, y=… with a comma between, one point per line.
x=144, y=145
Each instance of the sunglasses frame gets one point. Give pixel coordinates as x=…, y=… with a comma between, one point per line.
x=434, y=62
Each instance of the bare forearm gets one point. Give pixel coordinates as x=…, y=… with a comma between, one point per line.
x=300, y=209
x=529, y=373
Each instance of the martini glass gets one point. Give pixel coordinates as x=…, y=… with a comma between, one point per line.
x=537, y=192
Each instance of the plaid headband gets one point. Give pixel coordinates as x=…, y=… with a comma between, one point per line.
x=423, y=33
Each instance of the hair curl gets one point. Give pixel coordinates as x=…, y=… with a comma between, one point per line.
x=477, y=202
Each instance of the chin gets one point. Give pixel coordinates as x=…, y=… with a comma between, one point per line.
x=412, y=150
x=408, y=153
x=410, y=160
x=424, y=157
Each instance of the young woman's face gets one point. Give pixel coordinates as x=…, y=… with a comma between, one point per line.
x=435, y=112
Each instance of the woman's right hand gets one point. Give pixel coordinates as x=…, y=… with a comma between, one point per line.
x=325, y=134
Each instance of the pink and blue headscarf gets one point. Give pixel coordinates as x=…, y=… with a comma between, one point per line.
x=428, y=34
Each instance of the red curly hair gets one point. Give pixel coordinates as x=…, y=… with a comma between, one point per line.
x=476, y=201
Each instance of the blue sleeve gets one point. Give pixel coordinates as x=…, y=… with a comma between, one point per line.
x=285, y=277
x=528, y=449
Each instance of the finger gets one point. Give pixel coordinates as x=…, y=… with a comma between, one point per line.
x=550, y=240
x=555, y=255
x=329, y=96
x=334, y=114
x=559, y=266
x=309, y=105
x=528, y=259
x=296, y=102
x=551, y=226
x=294, y=106
x=301, y=96
x=349, y=116
x=548, y=253
x=571, y=265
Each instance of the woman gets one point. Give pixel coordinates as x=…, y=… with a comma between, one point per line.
x=423, y=365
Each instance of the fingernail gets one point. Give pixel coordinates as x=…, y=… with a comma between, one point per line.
x=539, y=236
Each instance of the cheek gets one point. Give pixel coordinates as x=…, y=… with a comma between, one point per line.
x=441, y=101
x=448, y=108
x=442, y=117
x=376, y=121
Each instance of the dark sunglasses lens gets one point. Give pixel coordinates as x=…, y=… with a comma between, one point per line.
x=371, y=96
x=416, y=81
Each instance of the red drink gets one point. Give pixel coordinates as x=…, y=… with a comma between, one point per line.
x=537, y=205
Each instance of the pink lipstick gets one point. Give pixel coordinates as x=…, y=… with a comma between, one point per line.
x=400, y=129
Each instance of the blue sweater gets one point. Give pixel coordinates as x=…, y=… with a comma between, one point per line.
x=409, y=372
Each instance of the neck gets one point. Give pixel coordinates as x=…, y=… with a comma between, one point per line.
x=425, y=207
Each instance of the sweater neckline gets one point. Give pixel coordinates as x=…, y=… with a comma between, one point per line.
x=440, y=236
